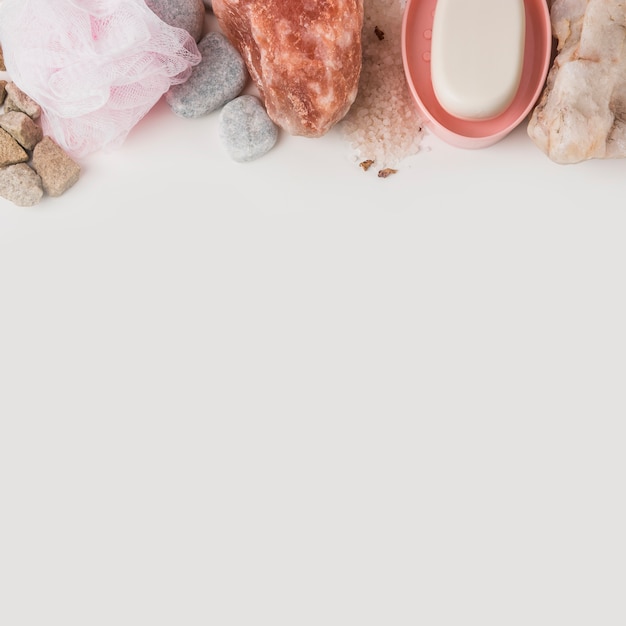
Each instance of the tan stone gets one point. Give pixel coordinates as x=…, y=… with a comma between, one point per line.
x=10, y=151
x=20, y=184
x=19, y=101
x=57, y=169
x=22, y=128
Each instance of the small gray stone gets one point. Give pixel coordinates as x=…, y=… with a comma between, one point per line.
x=220, y=76
x=185, y=14
x=17, y=100
x=57, y=169
x=22, y=128
x=246, y=130
x=20, y=184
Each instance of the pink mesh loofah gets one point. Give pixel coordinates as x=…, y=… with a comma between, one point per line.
x=95, y=67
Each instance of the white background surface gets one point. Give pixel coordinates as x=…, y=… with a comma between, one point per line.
x=288, y=392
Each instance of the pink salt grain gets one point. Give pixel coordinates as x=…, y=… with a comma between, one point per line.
x=383, y=124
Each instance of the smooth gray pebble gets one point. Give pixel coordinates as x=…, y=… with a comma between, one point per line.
x=186, y=14
x=246, y=130
x=220, y=77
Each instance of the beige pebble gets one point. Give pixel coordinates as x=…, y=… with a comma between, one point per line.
x=20, y=184
x=22, y=128
x=19, y=101
x=57, y=169
x=10, y=151
x=2, y=65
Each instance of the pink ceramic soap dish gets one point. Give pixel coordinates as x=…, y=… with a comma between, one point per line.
x=417, y=27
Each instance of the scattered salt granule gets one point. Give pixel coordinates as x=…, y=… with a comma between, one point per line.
x=383, y=125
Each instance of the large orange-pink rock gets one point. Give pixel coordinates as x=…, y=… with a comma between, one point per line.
x=303, y=55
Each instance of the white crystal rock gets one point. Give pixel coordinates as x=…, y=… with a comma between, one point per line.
x=581, y=114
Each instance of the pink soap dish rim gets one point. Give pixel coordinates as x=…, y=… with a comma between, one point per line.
x=417, y=24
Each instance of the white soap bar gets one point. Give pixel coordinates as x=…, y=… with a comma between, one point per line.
x=477, y=55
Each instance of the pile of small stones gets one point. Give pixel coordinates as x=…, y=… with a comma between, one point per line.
x=31, y=164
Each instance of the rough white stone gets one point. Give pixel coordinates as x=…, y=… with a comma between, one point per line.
x=581, y=114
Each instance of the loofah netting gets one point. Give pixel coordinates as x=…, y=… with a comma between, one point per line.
x=95, y=67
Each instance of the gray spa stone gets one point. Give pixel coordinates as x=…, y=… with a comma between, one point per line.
x=185, y=14
x=245, y=129
x=220, y=77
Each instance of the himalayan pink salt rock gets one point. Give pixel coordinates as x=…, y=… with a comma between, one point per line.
x=581, y=114
x=303, y=55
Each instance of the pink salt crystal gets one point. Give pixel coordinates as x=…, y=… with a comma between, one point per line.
x=304, y=57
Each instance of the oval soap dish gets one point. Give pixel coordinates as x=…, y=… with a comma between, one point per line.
x=417, y=29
